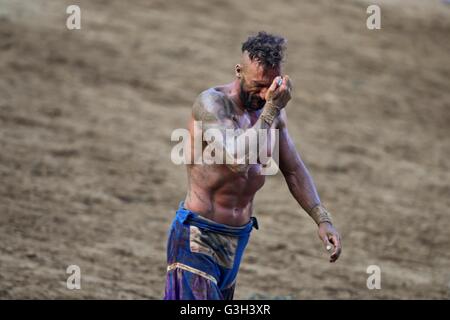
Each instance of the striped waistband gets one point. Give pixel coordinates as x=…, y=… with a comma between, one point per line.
x=186, y=216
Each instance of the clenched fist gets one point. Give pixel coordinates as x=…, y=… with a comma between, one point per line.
x=279, y=92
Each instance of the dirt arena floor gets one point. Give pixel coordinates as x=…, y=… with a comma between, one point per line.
x=85, y=123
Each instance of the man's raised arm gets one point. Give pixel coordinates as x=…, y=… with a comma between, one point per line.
x=215, y=112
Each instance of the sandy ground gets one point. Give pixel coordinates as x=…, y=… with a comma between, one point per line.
x=85, y=124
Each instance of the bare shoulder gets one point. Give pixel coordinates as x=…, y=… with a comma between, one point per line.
x=209, y=105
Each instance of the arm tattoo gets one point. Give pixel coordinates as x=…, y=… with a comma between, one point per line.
x=216, y=112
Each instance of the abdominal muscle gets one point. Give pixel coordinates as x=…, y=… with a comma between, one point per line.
x=219, y=194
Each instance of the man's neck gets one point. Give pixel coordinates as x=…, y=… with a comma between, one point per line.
x=234, y=93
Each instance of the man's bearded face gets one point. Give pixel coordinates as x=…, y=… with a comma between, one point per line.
x=252, y=101
x=255, y=81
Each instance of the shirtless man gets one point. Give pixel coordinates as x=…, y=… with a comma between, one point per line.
x=212, y=226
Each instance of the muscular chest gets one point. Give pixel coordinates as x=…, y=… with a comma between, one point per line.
x=245, y=120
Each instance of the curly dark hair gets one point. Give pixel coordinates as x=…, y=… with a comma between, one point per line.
x=266, y=48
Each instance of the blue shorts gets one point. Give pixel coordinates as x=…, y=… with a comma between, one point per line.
x=203, y=257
